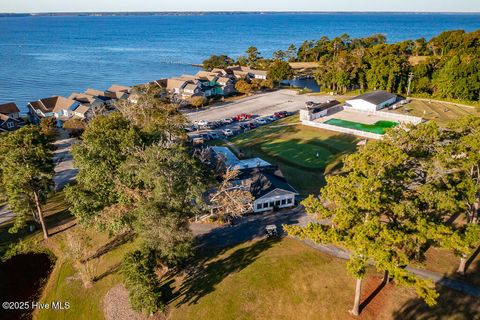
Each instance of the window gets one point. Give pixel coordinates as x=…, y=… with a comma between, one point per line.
x=271, y=204
x=284, y=201
x=10, y=125
x=277, y=203
x=265, y=205
x=289, y=200
x=259, y=206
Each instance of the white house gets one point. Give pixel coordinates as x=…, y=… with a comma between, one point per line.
x=57, y=106
x=372, y=101
x=271, y=190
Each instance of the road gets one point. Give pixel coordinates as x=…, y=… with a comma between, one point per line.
x=64, y=170
x=263, y=104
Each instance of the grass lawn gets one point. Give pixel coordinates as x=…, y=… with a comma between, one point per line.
x=442, y=113
x=289, y=280
x=294, y=149
x=64, y=284
x=446, y=262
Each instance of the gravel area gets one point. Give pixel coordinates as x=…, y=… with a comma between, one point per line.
x=117, y=307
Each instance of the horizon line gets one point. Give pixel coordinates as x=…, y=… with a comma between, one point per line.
x=236, y=11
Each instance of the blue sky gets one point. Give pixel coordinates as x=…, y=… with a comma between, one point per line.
x=239, y=5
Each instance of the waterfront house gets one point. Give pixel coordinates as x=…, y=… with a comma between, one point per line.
x=83, y=112
x=10, y=109
x=10, y=117
x=241, y=72
x=9, y=124
x=119, y=88
x=88, y=100
x=372, y=101
x=57, y=106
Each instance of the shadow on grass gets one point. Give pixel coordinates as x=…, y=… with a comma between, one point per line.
x=451, y=304
x=208, y=273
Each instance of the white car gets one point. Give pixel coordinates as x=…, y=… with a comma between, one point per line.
x=261, y=121
x=202, y=123
x=227, y=132
x=227, y=120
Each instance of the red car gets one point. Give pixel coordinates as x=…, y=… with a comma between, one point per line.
x=280, y=114
x=242, y=117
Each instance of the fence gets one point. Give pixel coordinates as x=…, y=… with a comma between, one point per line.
x=390, y=115
x=330, y=127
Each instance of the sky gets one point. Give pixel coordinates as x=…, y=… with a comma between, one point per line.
x=16, y=6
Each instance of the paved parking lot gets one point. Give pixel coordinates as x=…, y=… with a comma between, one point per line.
x=264, y=104
x=261, y=105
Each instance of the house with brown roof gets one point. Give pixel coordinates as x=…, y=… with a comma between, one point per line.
x=119, y=88
x=10, y=109
x=83, y=112
x=57, y=106
x=10, y=117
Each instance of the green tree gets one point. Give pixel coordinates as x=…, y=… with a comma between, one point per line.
x=291, y=53
x=26, y=174
x=198, y=102
x=243, y=86
x=74, y=126
x=49, y=126
x=253, y=55
x=279, y=55
x=221, y=61
x=279, y=71
x=106, y=143
x=379, y=210
x=138, y=269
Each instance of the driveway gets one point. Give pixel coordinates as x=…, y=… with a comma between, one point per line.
x=65, y=172
x=263, y=104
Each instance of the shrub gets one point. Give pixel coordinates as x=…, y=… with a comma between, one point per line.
x=144, y=289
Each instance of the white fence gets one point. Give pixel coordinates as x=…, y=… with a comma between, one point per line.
x=330, y=127
x=390, y=115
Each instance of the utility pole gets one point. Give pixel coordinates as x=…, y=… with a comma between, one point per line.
x=410, y=78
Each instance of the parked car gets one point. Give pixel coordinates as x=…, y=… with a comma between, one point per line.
x=251, y=125
x=260, y=121
x=197, y=141
x=227, y=120
x=205, y=136
x=245, y=126
x=242, y=117
x=214, y=135
x=271, y=118
x=202, y=122
x=227, y=132
x=280, y=114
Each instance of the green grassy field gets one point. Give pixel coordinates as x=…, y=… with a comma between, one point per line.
x=442, y=113
x=289, y=280
x=294, y=148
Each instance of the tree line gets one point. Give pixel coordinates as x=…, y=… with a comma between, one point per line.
x=446, y=66
x=399, y=196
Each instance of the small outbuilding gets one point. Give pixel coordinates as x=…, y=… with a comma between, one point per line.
x=372, y=101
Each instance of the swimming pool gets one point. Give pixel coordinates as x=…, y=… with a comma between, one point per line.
x=378, y=127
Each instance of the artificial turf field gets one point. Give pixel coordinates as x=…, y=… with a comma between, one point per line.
x=378, y=127
x=304, y=154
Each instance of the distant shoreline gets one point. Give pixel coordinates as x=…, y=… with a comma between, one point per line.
x=202, y=13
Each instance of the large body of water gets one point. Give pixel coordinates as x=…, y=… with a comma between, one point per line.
x=42, y=56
